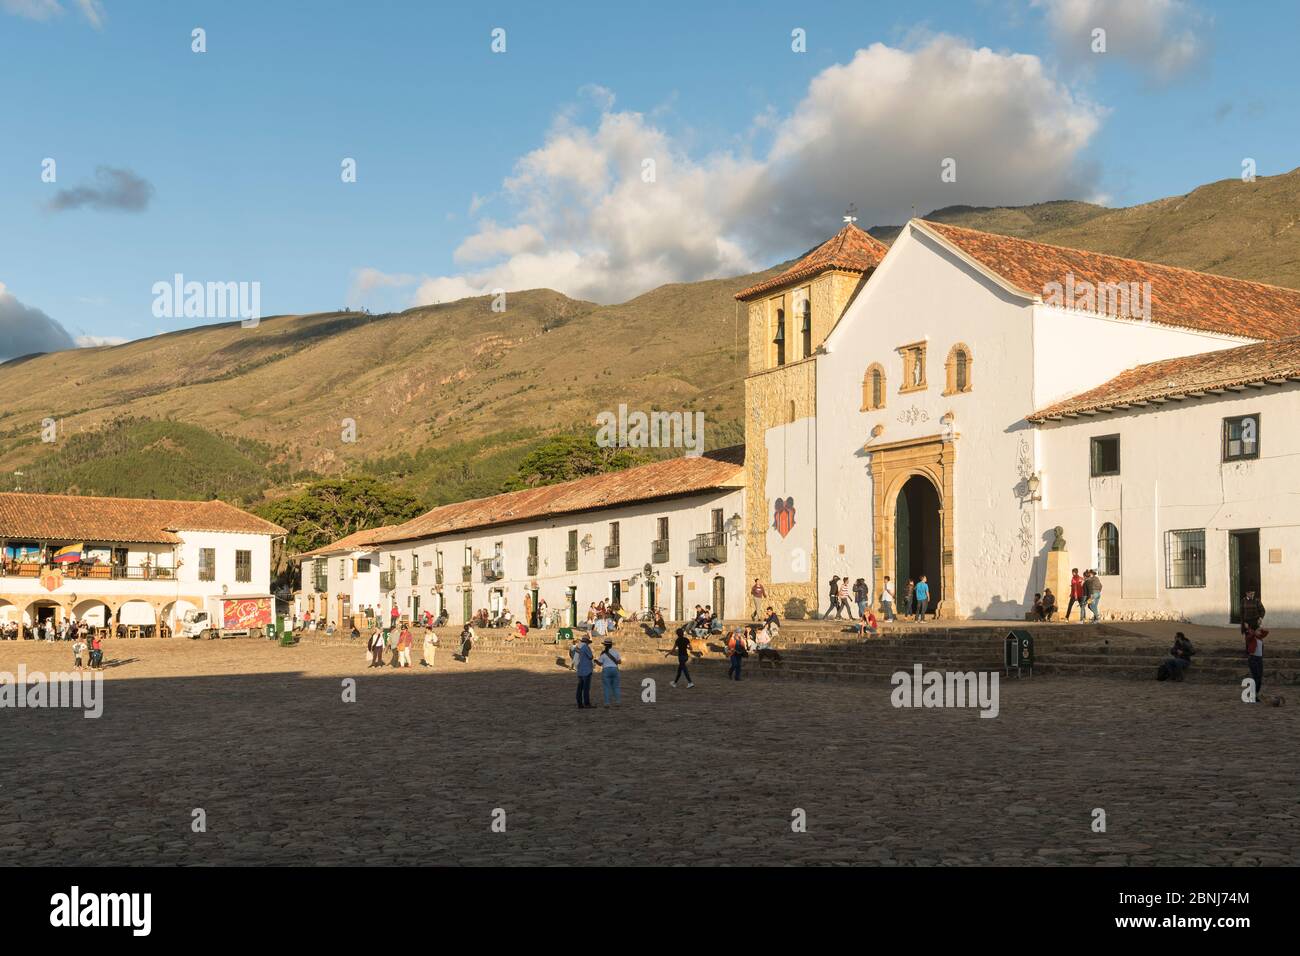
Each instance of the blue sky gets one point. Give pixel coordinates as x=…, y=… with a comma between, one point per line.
x=478, y=170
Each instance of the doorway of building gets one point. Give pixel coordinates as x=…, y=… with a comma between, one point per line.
x=616, y=593
x=1243, y=565
x=651, y=596
x=571, y=599
x=467, y=606
x=917, y=548
x=536, y=616
x=679, y=597
x=720, y=596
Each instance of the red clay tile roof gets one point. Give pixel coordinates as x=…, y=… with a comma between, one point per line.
x=849, y=250
x=356, y=541
x=1179, y=297
x=1245, y=365
x=138, y=520
x=661, y=479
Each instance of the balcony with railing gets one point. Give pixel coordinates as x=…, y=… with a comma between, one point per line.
x=532, y=565
x=387, y=580
x=466, y=573
x=611, y=556
x=415, y=576
x=570, y=560
x=493, y=569
x=711, y=547
x=437, y=576
x=659, y=551
x=86, y=570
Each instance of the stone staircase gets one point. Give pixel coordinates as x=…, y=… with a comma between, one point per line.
x=829, y=651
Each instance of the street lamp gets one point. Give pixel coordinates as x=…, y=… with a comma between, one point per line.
x=1032, y=484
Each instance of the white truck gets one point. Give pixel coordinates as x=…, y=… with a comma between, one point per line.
x=229, y=617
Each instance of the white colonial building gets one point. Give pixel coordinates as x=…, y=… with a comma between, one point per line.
x=660, y=535
x=136, y=562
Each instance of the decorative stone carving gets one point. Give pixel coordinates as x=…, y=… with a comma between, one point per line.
x=911, y=416
x=1058, y=541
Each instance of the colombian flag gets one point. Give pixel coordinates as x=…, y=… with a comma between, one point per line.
x=70, y=553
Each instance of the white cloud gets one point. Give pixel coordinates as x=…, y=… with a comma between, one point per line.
x=872, y=131
x=91, y=10
x=92, y=341
x=1161, y=37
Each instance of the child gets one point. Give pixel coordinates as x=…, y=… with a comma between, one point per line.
x=1255, y=657
x=78, y=648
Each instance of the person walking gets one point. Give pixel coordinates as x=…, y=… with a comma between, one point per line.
x=682, y=648
x=736, y=651
x=1092, y=591
x=582, y=665
x=430, y=648
x=833, y=593
x=887, y=600
x=377, y=648
x=759, y=594
x=78, y=648
x=922, y=598
x=609, y=662
x=96, y=653
x=1076, y=594
x=467, y=638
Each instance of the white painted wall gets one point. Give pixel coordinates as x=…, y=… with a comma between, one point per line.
x=638, y=527
x=791, y=473
x=1172, y=477
x=1075, y=351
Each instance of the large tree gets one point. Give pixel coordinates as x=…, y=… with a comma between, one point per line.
x=570, y=455
x=331, y=508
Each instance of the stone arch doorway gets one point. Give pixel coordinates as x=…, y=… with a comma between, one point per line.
x=918, y=536
x=913, y=480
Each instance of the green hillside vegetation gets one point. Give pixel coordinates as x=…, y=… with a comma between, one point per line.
x=139, y=458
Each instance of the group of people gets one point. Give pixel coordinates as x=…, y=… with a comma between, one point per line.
x=603, y=618
x=584, y=665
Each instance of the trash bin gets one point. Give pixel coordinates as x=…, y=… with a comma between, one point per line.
x=1019, y=651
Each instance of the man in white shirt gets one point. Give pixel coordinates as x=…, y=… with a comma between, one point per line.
x=887, y=600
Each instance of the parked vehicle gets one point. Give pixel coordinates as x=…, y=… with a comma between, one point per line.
x=228, y=617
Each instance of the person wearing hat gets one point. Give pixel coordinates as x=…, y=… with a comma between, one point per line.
x=609, y=662
x=582, y=664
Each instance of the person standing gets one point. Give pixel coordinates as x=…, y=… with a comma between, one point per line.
x=861, y=594
x=1076, y=594
x=909, y=598
x=404, y=642
x=736, y=651
x=392, y=618
x=377, y=648
x=759, y=594
x=682, y=648
x=887, y=600
x=78, y=648
x=609, y=662
x=922, y=598
x=1255, y=658
x=582, y=665
x=430, y=648
x=845, y=594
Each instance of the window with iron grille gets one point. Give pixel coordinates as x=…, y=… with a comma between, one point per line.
x=363, y=565
x=1185, y=558
x=1105, y=456
x=1241, y=438
x=1108, y=549
x=207, y=564
x=243, y=566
